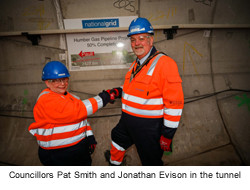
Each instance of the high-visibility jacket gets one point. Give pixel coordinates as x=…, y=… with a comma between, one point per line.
x=60, y=120
x=155, y=92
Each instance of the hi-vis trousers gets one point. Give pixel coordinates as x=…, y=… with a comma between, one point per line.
x=144, y=133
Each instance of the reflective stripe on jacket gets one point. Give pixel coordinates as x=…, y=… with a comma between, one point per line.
x=60, y=120
x=155, y=92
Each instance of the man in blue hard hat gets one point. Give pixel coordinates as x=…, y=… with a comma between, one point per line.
x=61, y=128
x=152, y=101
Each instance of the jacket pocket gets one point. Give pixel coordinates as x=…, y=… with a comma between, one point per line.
x=142, y=86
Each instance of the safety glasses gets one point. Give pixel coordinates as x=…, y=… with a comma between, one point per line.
x=59, y=81
x=139, y=38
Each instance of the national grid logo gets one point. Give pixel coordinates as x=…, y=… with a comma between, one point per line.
x=100, y=23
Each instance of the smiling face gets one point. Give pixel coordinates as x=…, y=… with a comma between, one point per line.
x=59, y=86
x=141, y=44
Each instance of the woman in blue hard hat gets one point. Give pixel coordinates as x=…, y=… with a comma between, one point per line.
x=61, y=128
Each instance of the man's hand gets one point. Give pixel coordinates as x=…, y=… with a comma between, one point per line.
x=112, y=96
x=166, y=144
x=114, y=93
x=117, y=92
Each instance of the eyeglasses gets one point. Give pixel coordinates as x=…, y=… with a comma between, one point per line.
x=140, y=39
x=58, y=81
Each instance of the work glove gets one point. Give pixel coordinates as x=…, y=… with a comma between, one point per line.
x=105, y=96
x=166, y=144
x=114, y=93
x=92, y=148
x=92, y=143
x=117, y=91
x=112, y=96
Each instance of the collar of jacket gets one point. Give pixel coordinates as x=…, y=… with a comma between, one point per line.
x=153, y=51
x=134, y=72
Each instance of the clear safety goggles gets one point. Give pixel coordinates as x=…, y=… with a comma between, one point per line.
x=139, y=38
x=58, y=81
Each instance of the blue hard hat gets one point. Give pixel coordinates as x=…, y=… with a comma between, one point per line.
x=139, y=26
x=55, y=70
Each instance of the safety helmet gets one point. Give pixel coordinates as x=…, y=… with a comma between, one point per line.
x=55, y=70
x=139, y=26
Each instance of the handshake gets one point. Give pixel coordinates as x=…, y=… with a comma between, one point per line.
x=110, y=95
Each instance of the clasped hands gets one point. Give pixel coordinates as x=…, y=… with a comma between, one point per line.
x=114, y=94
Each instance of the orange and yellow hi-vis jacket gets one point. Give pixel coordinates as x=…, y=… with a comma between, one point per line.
x=61, y=120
